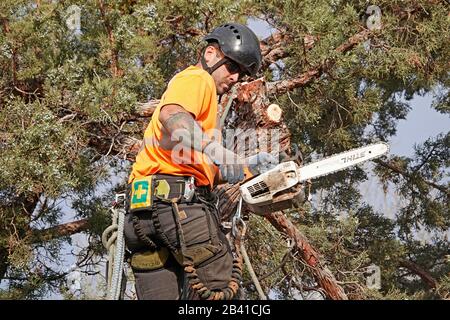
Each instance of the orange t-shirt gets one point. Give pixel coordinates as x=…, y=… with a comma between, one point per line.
x=194, y=90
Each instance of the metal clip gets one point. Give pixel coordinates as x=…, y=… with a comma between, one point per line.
x=237, y=219
x=120, y=198
x=189, y=189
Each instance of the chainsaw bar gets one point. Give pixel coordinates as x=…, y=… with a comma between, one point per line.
x=341, y=161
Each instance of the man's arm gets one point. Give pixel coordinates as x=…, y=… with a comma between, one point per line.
x=181, y=125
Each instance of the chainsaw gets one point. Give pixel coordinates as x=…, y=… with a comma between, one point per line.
x=277, y=188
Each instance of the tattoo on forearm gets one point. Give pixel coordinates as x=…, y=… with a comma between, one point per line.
x=183, y=127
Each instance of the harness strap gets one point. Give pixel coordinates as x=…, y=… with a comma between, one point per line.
x=141, y=235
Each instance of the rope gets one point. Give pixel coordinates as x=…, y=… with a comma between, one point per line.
x=119, y=254
x=239, y=237
x=109, y=244
x=228, y=106
x=255, y=280
x=115, y=245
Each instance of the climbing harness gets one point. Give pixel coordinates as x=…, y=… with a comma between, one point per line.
x=115, y=245
x=187, y=259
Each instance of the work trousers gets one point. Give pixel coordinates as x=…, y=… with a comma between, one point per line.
x=200, y=227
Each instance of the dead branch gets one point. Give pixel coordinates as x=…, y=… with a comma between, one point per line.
x=62, y=230
x=309, y=255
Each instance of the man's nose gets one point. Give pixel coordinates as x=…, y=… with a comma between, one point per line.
x=234, y=77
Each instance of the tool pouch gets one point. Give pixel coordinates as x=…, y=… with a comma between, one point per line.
x=149, y=260
x=140, y=194
x=200, y=231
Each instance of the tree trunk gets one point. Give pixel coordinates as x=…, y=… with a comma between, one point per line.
x=309, y=255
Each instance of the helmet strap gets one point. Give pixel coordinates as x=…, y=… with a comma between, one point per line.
x=208, y=69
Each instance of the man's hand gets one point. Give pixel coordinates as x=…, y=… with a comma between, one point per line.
x=231, y=166
x=261, y=162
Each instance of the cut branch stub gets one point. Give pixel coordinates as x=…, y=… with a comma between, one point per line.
x=273, y=113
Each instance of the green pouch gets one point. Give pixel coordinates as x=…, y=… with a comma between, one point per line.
x=149, y=260
x=198, y=253
x=141, y=194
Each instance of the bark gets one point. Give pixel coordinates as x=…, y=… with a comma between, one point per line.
x=115, y=69
x=273, y=48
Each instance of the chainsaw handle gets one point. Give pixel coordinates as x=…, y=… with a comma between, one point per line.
x=296, y=155
x=247, y=176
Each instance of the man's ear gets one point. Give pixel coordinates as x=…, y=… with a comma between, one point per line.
x=210, y=53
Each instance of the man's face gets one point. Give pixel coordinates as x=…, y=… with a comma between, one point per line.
x=226, y=75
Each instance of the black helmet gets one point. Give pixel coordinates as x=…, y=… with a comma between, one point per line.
x=238, y=43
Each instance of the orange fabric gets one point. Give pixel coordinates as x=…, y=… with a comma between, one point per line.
x=194, y=90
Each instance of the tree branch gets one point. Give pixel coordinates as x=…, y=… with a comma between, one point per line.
x=400, y=171
x=422, y=273
x=115, y=70
x=62, y=230
x=273, y=48
x=321, y=273
x=7, y=30
x=283, y=86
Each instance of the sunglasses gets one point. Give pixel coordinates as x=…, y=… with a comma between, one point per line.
x=234, y=67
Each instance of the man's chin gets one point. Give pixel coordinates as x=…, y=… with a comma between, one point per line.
x=221, y=91
x=225, y=89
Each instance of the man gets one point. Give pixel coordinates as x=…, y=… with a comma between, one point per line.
x=173, y=226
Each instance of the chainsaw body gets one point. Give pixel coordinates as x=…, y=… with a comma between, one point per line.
x=273, y=190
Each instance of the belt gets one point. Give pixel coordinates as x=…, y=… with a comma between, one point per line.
x=145, y=191
x=170, y=186
x=178, y=186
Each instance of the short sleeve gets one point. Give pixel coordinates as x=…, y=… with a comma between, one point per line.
x=192, y=92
